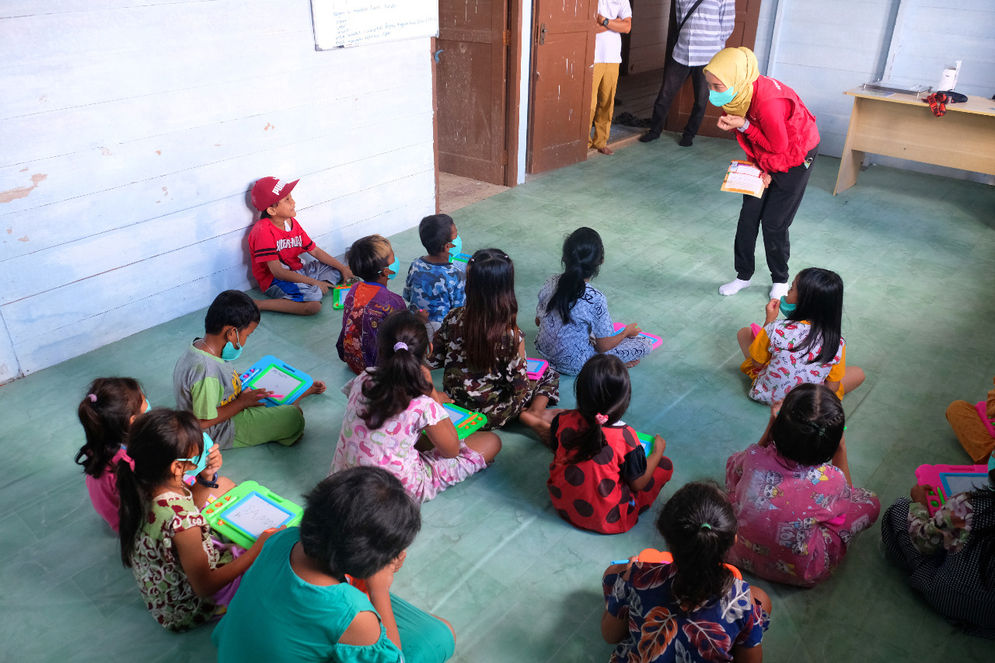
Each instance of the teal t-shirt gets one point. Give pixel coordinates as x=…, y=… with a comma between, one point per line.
x=276, y=616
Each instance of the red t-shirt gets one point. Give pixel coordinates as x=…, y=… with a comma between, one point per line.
x=268, y=242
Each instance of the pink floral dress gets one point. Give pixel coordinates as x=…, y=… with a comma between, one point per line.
x=795, y=521
x=424, y=474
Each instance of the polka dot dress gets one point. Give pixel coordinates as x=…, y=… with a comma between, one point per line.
x=594, y=494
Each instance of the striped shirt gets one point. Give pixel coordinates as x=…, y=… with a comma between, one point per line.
x=705, y=33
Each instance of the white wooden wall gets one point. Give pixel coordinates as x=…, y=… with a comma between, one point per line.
x=131, y=131
x=824, y=48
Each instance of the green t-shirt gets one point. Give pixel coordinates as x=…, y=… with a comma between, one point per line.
x=276, y=616
x=202, y=383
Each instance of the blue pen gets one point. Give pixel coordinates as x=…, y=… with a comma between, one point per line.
x=618, y=561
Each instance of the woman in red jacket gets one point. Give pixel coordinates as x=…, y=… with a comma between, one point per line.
x=779, y=135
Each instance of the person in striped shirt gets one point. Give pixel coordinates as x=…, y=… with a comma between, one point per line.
x=704, y=27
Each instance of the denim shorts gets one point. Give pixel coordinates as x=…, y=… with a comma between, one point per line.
x=304, y=292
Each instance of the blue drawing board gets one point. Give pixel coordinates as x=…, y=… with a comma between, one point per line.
x=646, y=440
x=286, y=382
x=248, y=509
x=536, y=367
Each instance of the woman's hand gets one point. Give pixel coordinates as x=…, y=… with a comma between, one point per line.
x=730, y=122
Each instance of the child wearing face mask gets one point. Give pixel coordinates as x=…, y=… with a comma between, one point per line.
x=204, y=384
x=367, y=303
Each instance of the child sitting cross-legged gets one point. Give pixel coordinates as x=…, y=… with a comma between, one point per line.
x=694, y=608
x=296, y=605
x=796, y=507
x=601, y=479
x=434, y=283
x=395, y=419
x=482, y=350
x=368, y=302
x=277, y=242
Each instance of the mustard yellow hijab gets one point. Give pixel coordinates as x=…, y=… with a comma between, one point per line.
x=736, y=68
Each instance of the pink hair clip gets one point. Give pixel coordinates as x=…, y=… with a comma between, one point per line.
x=92, y=397
x=602, y=419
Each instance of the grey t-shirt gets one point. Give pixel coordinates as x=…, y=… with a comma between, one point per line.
x=202, y=383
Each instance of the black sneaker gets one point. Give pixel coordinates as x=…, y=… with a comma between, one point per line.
x=686, y=140
x=648, y=136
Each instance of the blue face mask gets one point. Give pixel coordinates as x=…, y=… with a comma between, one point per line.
x=457, y=248
x=201, y=460
x=393, y=267
x=721, y=98
x=787, y=308
x=230, y=352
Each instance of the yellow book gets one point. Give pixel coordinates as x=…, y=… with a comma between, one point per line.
x=743, y=177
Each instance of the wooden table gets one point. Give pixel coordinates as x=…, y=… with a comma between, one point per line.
x=899, y=125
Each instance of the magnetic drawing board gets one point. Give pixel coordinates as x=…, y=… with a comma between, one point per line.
x=535, y=367
x=944, y=481
x=457, y=416
x=657, y=341
x=954, y=483
x=248, y=509
x=283, y=380
x=465, y=421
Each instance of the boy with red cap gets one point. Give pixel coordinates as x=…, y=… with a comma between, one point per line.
x=276, y=243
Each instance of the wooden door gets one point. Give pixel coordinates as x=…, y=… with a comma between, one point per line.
x=560, y=97
x=744, y=33
x=471, y=84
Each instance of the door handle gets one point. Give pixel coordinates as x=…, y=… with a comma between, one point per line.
x=542, y=34
x=435, y=56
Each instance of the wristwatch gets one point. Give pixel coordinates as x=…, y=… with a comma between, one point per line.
x=605, y=22
x=213, y=483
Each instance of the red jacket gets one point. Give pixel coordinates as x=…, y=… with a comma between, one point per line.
x=781, y=131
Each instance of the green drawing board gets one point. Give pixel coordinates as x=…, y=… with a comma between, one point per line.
x=286, y=382
x=466, y=422
x=245, y=511
x=646, y=440
x=338, y=296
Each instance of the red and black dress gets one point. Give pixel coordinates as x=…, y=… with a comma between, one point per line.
x=594, y=494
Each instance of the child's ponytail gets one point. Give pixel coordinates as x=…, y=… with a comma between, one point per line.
x=583, y=253
x=399, y=376
x=820, y=302
x=603, y=392
x=699, y=525
x=158, y=438
x=105, y=413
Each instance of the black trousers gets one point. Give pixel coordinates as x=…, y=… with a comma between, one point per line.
x=673, y=78
x=773, y=212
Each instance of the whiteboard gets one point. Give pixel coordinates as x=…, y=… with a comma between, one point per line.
x=341, y=23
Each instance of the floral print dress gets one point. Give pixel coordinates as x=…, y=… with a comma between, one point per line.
x=501, y=392
x=155, y=562
x=662, y=630
x=424, y=474
x=795, y=521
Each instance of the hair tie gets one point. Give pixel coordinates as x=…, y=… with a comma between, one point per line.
x=707, y=526
x=819, y=430
x=92, y=397
x=602, y=419
x=125, y=458
x=400, y=345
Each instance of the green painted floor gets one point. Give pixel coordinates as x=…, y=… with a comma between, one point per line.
x=917, y=254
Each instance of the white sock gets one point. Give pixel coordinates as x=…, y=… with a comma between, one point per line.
x=733, y=286
x=778, y=290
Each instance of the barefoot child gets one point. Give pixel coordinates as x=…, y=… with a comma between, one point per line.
x=276, y=243
x=106, y=413
x=205, y=385
x=806, y=347
x=482, y=350
x=434, y=283
x=600, y=478
x=368, y=302
x=182, y=575
x=394, y=408
x=572, y=315
x=693, y=609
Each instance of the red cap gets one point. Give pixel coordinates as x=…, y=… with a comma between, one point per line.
x=268, y=191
